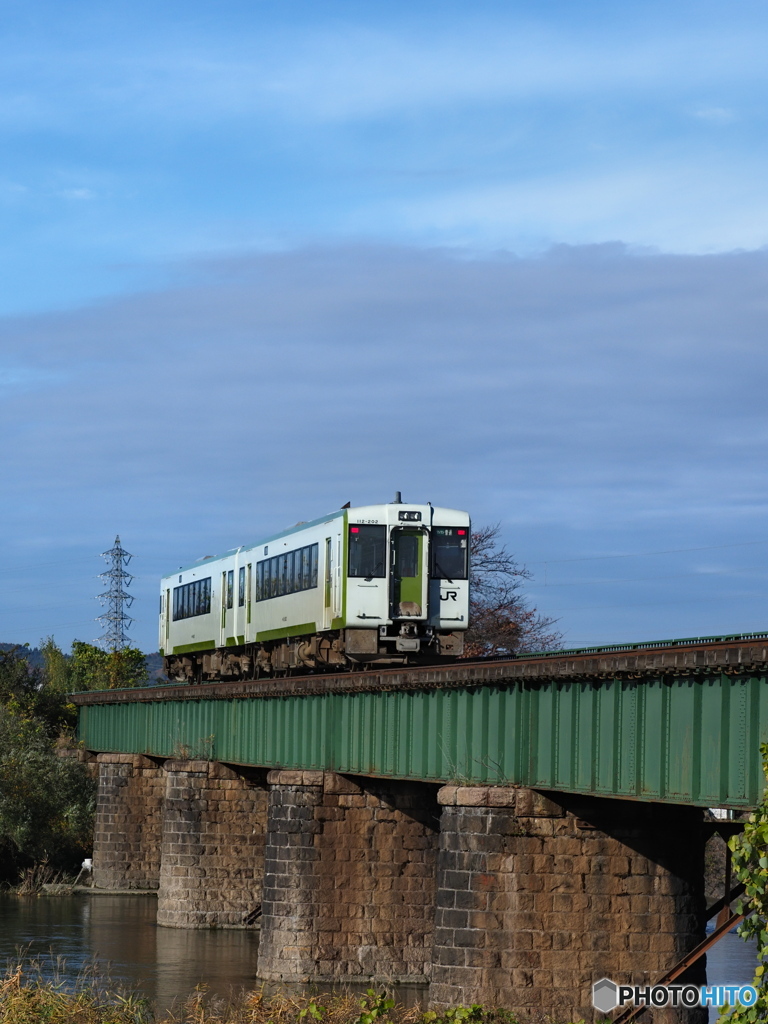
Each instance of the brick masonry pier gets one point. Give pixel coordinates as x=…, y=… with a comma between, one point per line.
x=129, y=822
x=212, y=857
x=538, y=898
x=349, y=886
x=500, y=895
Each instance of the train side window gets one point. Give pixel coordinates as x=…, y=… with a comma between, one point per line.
x=288, y=573
x=450, y=551
x=230, y=588
x=241, y=587
x=192, y=599
x=367, y=551
x=289, y=580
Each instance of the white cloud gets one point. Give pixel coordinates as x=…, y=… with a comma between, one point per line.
x=77, y=193
x=717, y=115
x=672, y=205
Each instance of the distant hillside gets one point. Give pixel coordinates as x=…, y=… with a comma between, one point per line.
x=34, y=658
x=32, y=654
x=155, y=667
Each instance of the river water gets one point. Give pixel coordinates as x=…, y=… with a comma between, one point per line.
x=69, y=933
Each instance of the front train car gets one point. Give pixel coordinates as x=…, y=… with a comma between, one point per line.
x=378, y=584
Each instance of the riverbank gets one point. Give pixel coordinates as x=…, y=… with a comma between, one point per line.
x=26, y=995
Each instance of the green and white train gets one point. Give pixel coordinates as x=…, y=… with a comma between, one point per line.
x=379, y=584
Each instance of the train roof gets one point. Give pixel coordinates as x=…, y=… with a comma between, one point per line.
x=287, y=533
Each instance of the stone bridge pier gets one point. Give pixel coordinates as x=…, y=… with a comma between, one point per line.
x=505, y=896
x=349, y=883
x=193, y=830
x=129, y=822
x=540, y=895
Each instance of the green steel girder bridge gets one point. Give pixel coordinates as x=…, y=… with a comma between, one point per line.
x=678, y=721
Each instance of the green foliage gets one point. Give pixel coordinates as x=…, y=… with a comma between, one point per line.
x=25, y=692
x=375, y=1006
x=749, y=855
x=314, y=1010
x=57, y=670
x=46, y=801
x=92, y=668
x=474, y=1014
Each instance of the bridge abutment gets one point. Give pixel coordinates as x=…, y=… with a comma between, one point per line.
x=540, y=897
x=212, y=860
x=349, y=879
x=129, y=815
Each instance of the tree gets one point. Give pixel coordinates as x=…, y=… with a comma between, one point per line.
x=25, y=692
x=94, y=669
x=500, y=621
x=46, y=798
x=46, y=801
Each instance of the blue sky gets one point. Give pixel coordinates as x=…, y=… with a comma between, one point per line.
x=258, y=259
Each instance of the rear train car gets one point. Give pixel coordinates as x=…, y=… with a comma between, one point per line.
x=379, y=584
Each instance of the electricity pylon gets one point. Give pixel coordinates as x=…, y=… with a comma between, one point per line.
x=116, y=599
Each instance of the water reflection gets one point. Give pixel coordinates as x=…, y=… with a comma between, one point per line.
x=731, y=961
x=165, y=964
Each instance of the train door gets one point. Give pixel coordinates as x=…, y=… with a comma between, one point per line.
x=328, y=584
x=239, y=628
x=227, y=606
x=408, y=577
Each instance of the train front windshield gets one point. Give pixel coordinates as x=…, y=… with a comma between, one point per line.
x=367, y=551
x=450, y=551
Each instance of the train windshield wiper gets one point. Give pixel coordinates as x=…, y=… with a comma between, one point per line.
x=441, y=570
x=379, y=565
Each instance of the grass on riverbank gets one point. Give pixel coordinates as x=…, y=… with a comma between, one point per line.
x=26, y=997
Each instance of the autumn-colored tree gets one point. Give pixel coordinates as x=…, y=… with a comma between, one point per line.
x=500, y=620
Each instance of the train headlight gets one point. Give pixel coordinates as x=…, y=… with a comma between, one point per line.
x=409, y=517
